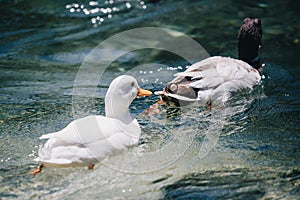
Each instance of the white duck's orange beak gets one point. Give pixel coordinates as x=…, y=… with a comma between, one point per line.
x=142, y=92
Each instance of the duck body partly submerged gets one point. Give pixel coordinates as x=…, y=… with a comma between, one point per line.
x=95, y=137
x=210, y=80
x=214, y=79
x=88, y=139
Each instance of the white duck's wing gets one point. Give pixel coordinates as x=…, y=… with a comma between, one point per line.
x=87, y=138
x=73, y=133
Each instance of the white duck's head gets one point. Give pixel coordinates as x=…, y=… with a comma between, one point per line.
x=121, y=92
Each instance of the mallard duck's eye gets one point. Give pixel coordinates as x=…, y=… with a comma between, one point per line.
x=172, y=88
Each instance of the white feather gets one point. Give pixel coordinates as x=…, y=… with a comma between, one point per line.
x=95, y=137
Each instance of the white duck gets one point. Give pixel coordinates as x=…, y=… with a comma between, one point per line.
x=95, y=137
x=214, y=79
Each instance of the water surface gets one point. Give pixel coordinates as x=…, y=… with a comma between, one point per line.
x=256, y=156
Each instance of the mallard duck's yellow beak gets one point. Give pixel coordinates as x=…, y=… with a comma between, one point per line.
x=142, y=92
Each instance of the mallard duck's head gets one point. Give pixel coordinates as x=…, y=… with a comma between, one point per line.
x=178, y=92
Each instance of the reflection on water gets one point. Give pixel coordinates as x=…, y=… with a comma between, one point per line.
x=100, y=12
x=251, y=144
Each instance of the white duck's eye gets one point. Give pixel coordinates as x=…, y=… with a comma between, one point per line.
x=132, y=84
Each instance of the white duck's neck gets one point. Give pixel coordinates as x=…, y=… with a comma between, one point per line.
x=117, y=110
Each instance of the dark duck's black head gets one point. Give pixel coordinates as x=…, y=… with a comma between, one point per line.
x=249, y=41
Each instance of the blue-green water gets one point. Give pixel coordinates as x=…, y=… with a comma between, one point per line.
x=42, y=46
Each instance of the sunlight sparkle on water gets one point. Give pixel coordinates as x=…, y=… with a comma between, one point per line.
x=128, y=5
x=104, y=9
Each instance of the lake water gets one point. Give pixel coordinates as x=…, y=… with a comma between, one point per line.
x=246, y=149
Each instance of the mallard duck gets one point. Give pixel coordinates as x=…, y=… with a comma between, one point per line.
x=95, y=137
x=214, y=79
